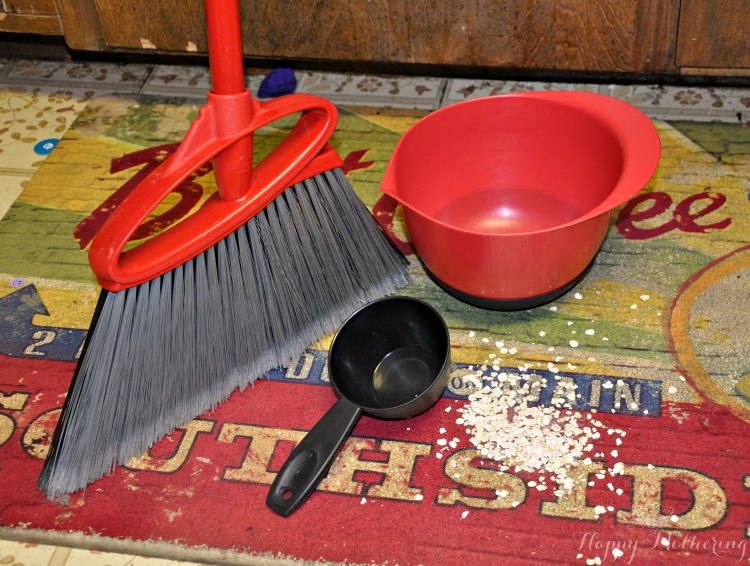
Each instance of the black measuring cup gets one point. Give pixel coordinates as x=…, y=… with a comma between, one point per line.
x=390, y=359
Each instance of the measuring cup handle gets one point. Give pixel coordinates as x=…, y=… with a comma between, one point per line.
x=310, y=460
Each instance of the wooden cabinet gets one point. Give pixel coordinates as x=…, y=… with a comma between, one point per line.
x=594, y=37
x=586, y=35
x=30, y=16
x=568, y=35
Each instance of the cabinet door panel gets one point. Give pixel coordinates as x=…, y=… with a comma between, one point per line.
x=30, y=16
x=714, y=34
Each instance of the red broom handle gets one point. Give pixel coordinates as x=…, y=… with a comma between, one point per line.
x=225, y=46
x=233, y=167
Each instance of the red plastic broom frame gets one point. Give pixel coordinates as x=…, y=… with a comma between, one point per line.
x=222, y=132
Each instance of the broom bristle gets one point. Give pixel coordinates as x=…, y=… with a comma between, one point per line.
x=163, y=352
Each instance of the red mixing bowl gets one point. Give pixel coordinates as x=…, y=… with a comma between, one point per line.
x=508, y=198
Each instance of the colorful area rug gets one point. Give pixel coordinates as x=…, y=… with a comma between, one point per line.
x=649, y=463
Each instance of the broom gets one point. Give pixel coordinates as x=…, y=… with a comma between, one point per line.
x=276, y=259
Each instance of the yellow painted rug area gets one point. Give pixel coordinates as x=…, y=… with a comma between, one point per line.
x=633, y=389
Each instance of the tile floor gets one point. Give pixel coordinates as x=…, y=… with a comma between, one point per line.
x=39, y=101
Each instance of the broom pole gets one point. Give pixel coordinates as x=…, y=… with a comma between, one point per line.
x=233, y=166
x=225, y=46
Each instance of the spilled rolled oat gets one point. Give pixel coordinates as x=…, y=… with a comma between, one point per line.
x=504, y=423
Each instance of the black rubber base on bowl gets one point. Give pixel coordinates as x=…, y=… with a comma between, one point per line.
x=510, y=304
